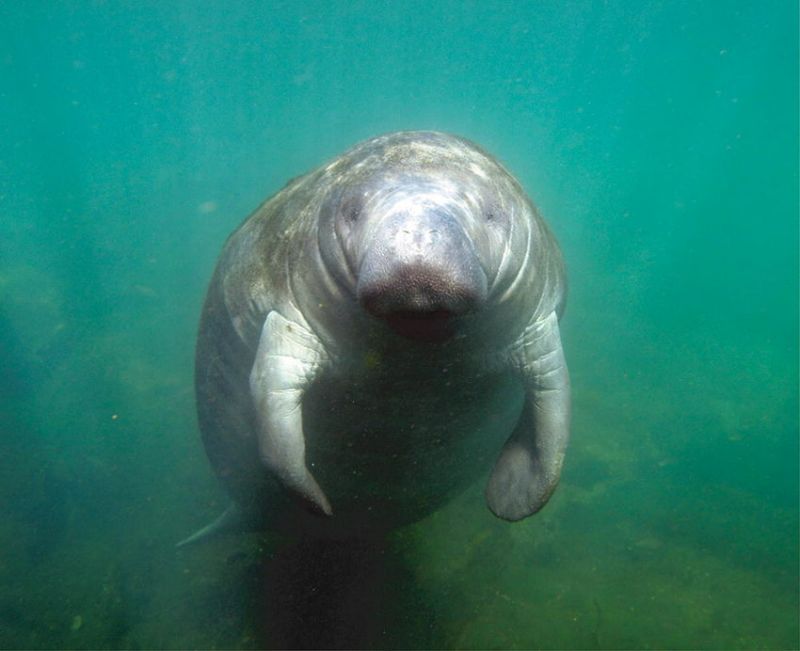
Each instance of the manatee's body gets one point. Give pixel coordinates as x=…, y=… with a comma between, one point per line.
x=378, y=335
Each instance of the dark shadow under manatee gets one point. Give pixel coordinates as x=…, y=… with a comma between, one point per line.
x=324, y=594
x=336, y=594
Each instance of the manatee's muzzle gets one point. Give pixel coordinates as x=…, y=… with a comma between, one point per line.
x=420, y=273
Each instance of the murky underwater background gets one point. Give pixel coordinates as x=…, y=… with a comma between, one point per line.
x=660, y=141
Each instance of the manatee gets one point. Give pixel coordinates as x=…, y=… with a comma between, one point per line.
x=380, y=334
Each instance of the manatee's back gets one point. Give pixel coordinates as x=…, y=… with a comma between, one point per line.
x=247, y=275
x=224, y=408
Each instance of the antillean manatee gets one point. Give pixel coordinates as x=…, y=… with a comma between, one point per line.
x=378, y=335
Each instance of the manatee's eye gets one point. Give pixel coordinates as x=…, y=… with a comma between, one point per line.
x=495, y=215
x=350, y=210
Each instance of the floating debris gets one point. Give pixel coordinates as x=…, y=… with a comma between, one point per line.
x=207, y=207
x=144, y=290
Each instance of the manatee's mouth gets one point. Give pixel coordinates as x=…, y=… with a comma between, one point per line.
x=434, y=326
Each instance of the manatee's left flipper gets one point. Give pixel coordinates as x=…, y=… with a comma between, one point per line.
x=288, y=358
x=529, y=467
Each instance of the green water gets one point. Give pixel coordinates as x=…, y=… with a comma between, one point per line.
x=658, y=138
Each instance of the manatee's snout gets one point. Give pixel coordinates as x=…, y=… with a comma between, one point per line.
x=419, y=273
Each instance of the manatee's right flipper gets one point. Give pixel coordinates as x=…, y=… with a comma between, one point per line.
x=231, y=520
x=288, y=358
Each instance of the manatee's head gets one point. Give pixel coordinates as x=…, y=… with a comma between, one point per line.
x=425, y=231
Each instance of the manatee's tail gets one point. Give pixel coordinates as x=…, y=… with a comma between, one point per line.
x=231, y=519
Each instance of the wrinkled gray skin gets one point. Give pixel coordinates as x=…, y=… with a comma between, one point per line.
x=378, y=335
